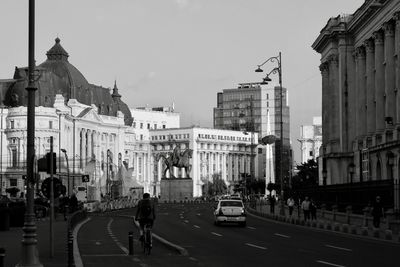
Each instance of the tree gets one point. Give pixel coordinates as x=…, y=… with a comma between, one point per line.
x=307, y=175
x=217, y=186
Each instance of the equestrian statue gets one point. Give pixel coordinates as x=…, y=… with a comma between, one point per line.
x=176, y=159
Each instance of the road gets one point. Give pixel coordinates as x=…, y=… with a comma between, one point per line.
x=261, y=243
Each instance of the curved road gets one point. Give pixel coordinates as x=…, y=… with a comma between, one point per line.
x=261, y=243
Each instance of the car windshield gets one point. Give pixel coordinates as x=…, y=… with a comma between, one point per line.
x=231, y=204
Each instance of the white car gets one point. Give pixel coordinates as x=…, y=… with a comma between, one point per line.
x=230, y=211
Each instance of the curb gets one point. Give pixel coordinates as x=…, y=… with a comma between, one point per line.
x=333, y=228
x=182, y=251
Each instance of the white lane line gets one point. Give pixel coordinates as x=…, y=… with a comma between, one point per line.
x=255, y=246
x=186, y=221
x=198, y=214
x=345, y=249
x=331, y=264
x=214, y=233
x=124, y=249
x=104, y=255
x=285, y=236
x=252, y=228
x=196, y=226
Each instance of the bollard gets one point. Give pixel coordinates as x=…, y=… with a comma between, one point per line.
x=334, y=211
x=365, y=217
x=2, y=256
x=70, y=249
x=349, y=210
x=130, y=241
x=323, y=209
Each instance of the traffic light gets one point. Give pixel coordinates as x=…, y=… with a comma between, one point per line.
x=44, y=163
x=48, y=160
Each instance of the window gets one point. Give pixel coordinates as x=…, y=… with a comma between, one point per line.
x=155, y=125
x=14, y=158
x=267, y=96
x=148, y=126
x=163, y=126
x=311, y=153
x=141, y=125
x=141, y=137
x=50, y=124
x=12, y=124
x=13, y=182
x=134, y=124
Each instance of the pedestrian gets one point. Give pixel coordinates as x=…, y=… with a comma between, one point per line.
x=290, y=203
x=73, y=203
x=313, y=210
x=377, y=211
x=272, y=204
x=305, y=206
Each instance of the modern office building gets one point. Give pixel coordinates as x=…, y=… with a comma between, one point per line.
x=310, y=140
x=360, y=100
x=253, y=106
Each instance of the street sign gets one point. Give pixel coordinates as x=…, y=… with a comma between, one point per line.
x=85, y=178
x=58, y=188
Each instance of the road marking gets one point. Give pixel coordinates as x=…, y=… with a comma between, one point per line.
x=98, y=243
x=255, y=246
x=186, y=221
x=331, y=264
x=252, y=228
x=196, y=226
x=103, y=255
x=285, y=236
x=214, y=233
x=124, y=249
x=345, y=249
x=193, y=259
x=198, y=214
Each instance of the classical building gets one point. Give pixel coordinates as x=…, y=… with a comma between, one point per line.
x=253, y=106
x=360, y=99
x=223, y=152
x=310, y=140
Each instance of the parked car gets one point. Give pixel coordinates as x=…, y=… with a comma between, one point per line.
x=230, y=211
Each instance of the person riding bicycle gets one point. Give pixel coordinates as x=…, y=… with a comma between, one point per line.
x=145, y=213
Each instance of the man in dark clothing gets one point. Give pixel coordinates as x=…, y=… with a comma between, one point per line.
x=377, y=211
x=272, y=204
x=145, y=213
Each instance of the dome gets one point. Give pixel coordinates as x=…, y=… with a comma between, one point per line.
x=58, y=76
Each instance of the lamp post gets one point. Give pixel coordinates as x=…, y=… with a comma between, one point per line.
x=66, y=158
x=108, y=173
x=30, y=254
x=278, y=69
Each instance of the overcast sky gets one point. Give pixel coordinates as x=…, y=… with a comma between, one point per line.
x=181, y=51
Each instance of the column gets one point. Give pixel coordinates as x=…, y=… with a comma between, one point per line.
x=334, y=102
x=397, y=74
x=361, y=93
x=379, y=82
x=324, y=68
x=390, y=79
x=370, y=85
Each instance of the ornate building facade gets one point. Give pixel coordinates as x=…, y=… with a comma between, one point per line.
x=310, y=140
x=360, y=96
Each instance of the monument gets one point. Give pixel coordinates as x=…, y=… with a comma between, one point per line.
x=176, y=188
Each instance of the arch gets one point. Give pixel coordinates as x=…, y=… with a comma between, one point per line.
x=390, y=162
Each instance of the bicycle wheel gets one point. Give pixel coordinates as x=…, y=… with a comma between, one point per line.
x=148, y=243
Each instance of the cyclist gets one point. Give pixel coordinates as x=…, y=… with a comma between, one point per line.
x=145, y=213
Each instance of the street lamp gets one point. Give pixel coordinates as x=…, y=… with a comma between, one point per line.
x=66, y=158
x=108, y=173
x=278, y=69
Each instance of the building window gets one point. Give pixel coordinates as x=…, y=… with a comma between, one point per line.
x=141, y=125
x=311, y=153
x=155, y=125
x=12, y=124
x=141, y=137
x=14, y=158
x=267, y=96
x=13, y=182
x=163, y=126
x=134, y=125
x=148, y=126
x=50, y=124
x=139, y=165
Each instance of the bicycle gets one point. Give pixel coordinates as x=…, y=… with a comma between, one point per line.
x=147, y=242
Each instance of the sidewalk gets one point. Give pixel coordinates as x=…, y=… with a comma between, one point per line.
x=11, y=241
x=326, y=222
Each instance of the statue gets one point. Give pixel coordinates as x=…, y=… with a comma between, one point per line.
x=176, y=159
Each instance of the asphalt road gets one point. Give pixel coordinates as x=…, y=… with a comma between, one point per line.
x=261, y=243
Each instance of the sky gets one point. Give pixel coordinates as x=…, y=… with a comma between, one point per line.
x=179, y=51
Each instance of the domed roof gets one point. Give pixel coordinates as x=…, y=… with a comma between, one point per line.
x=58, y=76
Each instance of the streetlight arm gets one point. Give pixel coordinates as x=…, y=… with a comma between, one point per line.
x=272, y=59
